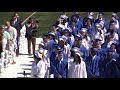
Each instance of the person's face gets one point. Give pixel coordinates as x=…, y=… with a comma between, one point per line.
x=113, y=25
x=8, y=24
x=66, y=34
x=2, y=29
x=40, y=46
x=62, y=43
x=100, y=16
x=80, y=42
x=112, y=48
x=97, y=45
x=88, y=22
x=15, y=17
x=83, y=33
x=50, y=37
x=76, y=57
x=75, y=42
x=60, y=56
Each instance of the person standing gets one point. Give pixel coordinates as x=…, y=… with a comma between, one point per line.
x=31, y=29
x=59, y=67
x=16, y=23
x=13, y=34
x=78, y=67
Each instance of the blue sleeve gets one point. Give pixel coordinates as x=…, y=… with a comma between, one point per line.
x=54, y=70
x=65, y=71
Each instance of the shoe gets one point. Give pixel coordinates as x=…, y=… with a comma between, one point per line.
x=17, y=55
x=13, y=62
x=30, y=54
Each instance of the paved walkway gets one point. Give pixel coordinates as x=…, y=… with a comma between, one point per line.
x=23, y=63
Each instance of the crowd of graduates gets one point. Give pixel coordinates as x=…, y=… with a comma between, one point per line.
x=79, y=47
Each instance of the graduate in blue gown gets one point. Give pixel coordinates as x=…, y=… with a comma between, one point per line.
x=100, y=19
x=60, y=66
x=51, y=41
x=76, y=14
x=109, y=67
x=94, y=65
x=90, y=28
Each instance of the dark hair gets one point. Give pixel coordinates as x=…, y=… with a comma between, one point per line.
x=79, y=59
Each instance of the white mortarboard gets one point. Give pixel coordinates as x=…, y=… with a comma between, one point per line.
x=114, y=14
x=97, y=37
x=90, y=17
x=84, y=30
x=97, y=24
x=41, y=51
x=61, y=39
x=79, y=54
x=91, y=13
x=52, y=33
x=41, y=44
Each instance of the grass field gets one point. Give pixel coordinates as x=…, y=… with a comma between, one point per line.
x=46, y=19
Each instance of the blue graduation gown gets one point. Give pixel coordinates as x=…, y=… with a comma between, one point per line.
x=79, y=25
x=84, y=51
x=111, y=69
x=91, y=31
x=95, y=69
x=104, y=20
x=51, y=45
x=76, y=15
x=75, y=31
x=88, y=62
x=58, y=68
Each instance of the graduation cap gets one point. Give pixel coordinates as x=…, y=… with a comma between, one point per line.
x=61, y=39
x=79, y=54
x=66, y=30
x=41, y=44
x=97, y=24
x=83, y=30
x=97, y=38
x=91, y=13
x=114, y=14
x=78, y=37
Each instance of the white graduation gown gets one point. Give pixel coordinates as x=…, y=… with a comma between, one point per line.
x=78, y=70
x=39, y=70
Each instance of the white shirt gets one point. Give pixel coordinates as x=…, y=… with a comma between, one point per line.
x=78, y=70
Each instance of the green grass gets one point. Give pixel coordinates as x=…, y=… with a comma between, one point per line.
x=46, y=19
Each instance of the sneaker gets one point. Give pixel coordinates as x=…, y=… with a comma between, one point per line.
x=13, y=62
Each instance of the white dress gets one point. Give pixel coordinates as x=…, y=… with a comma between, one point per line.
x=38, y=70
x=78, y=70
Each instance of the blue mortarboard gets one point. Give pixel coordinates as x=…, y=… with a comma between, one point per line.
x=66, y=30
